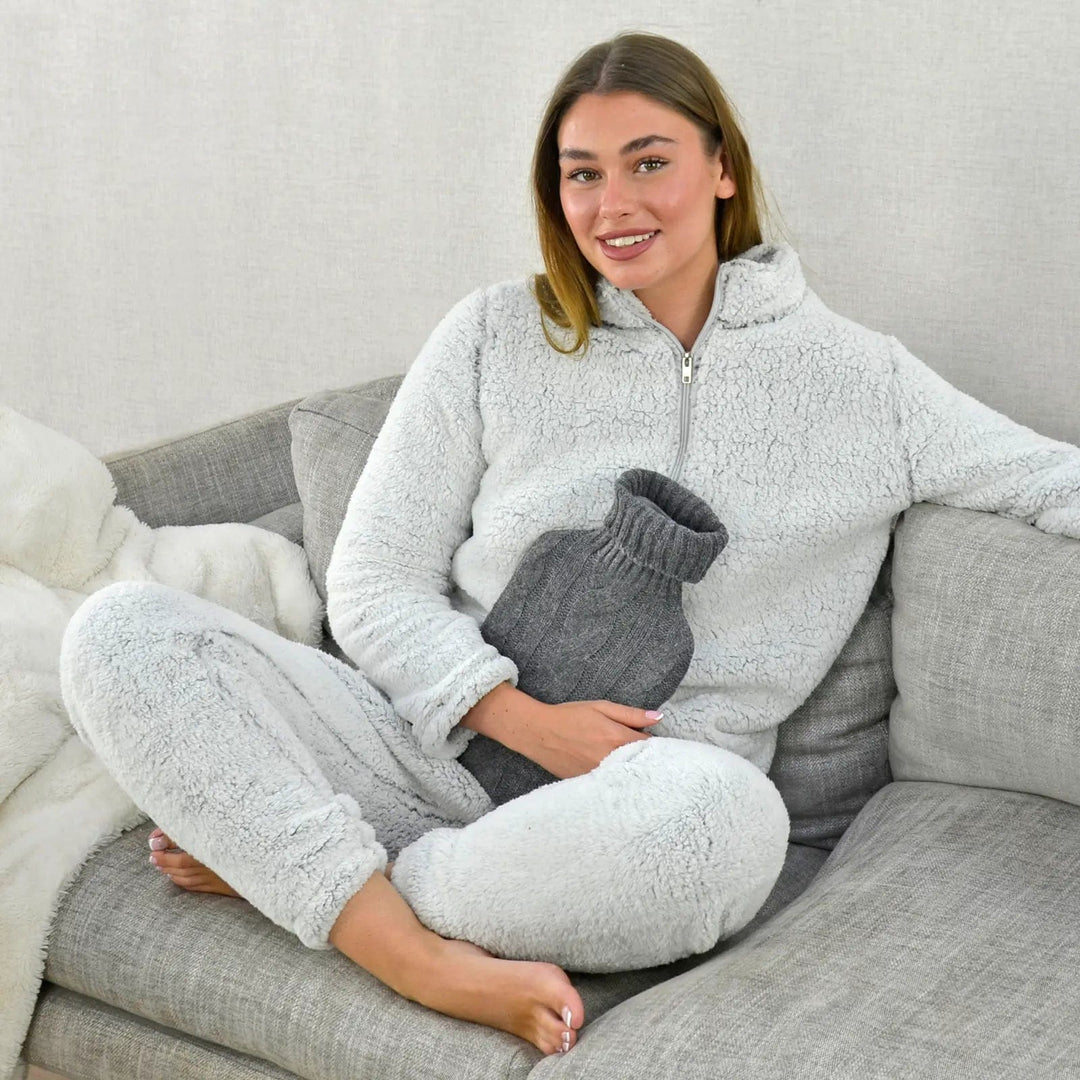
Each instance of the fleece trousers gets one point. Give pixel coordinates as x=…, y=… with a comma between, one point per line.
x=291, y=776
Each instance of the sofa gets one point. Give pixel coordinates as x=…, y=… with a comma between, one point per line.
x=924, y=924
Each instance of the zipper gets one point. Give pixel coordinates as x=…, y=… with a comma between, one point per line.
x=686, y=374
x=684, y=412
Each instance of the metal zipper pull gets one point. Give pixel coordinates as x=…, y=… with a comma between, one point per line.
x=687, y=367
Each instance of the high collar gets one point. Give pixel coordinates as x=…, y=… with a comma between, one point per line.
x=762, y=284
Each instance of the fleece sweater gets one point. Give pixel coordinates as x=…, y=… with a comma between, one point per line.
x=806, y=433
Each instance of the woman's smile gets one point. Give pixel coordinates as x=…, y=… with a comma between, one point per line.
x=627, y=246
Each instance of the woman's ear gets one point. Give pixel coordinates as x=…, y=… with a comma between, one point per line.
x=725, y=185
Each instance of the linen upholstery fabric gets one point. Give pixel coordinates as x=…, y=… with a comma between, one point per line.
x=287, y=521
x=200, y=964
x=236, y=471
x=937, y=941
x=986, y=640
x=832, y=753
x=83, y=1039
x=214, y=968
x=332, y=435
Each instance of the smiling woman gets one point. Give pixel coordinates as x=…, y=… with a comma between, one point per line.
x=640, y=145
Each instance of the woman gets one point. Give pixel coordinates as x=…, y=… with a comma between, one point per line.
x=666, y=336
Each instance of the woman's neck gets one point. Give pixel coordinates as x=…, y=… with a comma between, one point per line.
x=682, y=308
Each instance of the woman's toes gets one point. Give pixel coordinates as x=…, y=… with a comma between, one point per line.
x=559, y=1038
x=159, y=841
x=174, y=860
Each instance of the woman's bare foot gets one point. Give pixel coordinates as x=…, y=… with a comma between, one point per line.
x=184, y=869
x=520, y=996
x=379, y=931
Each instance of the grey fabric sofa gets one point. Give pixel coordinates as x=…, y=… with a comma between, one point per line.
x=924, y=924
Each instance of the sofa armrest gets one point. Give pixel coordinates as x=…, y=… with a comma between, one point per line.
x=986, y=653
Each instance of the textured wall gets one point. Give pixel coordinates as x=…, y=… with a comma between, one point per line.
x=209, y=207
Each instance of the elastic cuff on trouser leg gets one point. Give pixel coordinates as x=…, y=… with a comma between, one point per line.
x=344, y=869
x=663, y=849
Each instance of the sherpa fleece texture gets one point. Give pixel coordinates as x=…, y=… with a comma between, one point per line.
x=62, y=538
x=807, y=434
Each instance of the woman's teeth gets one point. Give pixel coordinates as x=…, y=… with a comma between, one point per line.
x=626, y=241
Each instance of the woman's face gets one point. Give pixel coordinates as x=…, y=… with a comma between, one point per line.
x=631, y=167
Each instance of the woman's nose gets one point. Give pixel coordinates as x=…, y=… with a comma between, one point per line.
x=616, y=198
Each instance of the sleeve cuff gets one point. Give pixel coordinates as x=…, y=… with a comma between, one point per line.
x=436, y=712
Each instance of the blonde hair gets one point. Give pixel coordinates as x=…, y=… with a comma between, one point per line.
x=668, y=73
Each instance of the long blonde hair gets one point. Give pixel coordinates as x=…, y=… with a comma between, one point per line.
x=668, y=73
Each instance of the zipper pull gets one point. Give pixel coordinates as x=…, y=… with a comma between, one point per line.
x=687, y=367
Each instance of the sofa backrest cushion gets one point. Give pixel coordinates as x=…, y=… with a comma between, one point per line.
x=332, y=435
x=832, y=753
x=986, y=653
x=235, y=471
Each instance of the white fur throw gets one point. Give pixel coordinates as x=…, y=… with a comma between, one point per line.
x=61, y=538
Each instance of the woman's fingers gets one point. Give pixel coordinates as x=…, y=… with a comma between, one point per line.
x=626, y=714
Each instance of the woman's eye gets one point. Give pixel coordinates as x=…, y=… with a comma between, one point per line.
x=581, y=174
x=651, y=164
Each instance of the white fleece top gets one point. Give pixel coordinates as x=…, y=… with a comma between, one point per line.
x=805, y=432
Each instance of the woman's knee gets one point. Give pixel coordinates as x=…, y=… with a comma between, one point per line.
x=118, y=633
x=720, y=828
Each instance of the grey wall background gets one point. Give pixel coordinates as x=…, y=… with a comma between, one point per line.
x=208, y=207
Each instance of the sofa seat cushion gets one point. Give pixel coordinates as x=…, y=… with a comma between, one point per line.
x=214, y=968
x=938, y=941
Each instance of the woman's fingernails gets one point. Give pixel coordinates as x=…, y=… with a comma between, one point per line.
x=567, y=1016
x=652, y=714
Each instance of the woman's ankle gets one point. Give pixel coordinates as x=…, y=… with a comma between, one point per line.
x=380, y=932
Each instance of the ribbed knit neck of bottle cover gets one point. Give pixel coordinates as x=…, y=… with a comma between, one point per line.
x=657, y=523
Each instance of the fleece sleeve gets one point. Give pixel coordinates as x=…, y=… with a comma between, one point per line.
x=963, y=453
x=388, y=581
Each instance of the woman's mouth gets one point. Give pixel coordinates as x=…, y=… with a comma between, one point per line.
x=628, y=247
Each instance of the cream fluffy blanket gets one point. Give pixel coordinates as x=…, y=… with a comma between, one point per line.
x=61, y=538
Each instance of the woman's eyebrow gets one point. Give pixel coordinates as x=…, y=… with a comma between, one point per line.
x=572, y=153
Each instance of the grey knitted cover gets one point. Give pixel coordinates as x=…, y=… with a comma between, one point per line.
x=596, y=614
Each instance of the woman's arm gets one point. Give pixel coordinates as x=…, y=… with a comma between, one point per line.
x=388, y=578
x=963, y=453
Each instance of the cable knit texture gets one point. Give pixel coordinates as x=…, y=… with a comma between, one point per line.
x=807, y=434
x=597, y=613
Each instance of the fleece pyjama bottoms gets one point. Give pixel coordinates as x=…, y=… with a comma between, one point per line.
x=292, y=777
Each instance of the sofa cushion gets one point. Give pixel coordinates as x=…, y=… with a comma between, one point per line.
x=332, y=435
x=75, y=1036
x=287, y=521
x=235, y=471
x=938, y=941
x=832, y=753
x=986, y=638
x=214, y=968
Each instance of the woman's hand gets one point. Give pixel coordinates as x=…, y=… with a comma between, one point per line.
x=574, y=738
x=567, y=740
